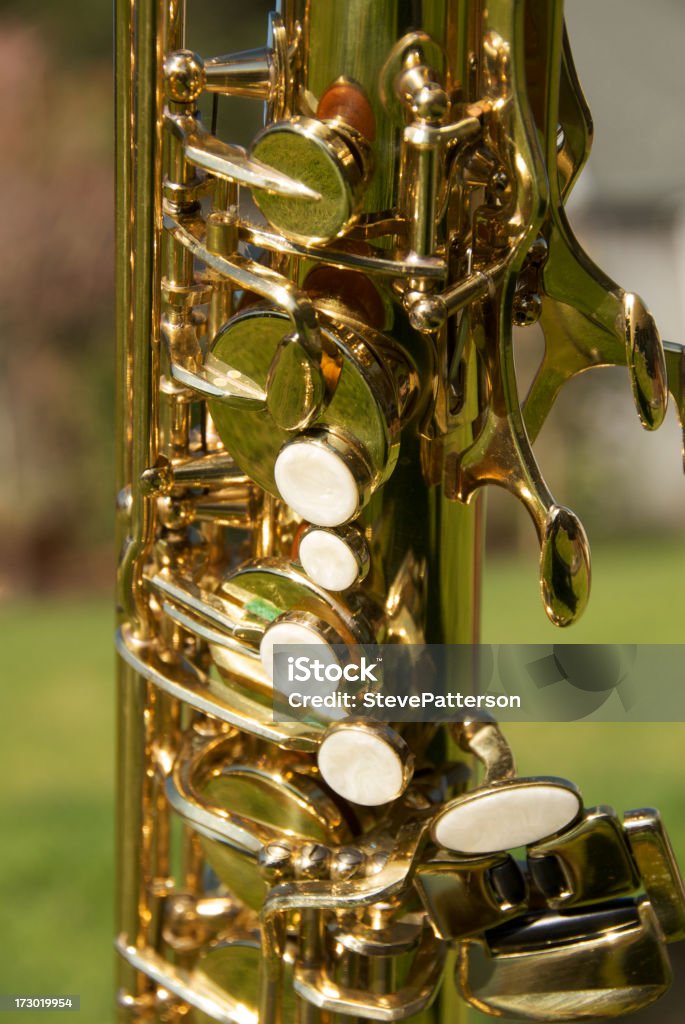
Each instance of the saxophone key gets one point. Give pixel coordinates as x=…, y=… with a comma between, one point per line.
x=593, y=861
x=330, y=158
x=572, y=967
x=335, y=559
x=506, y=815
x=503, y=812
x=328, y=472
x=366, y=763
x=661, y=877
x=465, y=899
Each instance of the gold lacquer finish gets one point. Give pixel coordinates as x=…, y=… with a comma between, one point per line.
x=315, y=383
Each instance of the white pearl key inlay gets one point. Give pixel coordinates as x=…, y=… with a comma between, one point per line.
x=317, y=483
x=364, y=764
x=507, y=815
x=292, y=633
x=328, y=560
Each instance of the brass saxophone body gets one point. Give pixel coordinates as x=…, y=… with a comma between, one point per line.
x=315, y=381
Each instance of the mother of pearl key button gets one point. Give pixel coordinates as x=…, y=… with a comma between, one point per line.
x=328, y=560
x=364, y=764
x=506, y=816
x=292, y=633
x=317, y=483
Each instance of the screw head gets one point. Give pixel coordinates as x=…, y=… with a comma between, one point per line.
x=347, y=862
x=538, y=252
x=427, y=313
x=315, y=860
x=430, y=103
x=527, y=309
x=184, y=76
x=275, y=859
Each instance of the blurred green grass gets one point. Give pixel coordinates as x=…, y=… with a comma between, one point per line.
x=638, y=596
x=56, y=859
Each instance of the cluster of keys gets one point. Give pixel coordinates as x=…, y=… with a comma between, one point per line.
x=337, y=384
x=543, y=909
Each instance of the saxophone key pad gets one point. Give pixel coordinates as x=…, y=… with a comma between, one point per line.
x=299, y=629
x=507, y=815
x=329, y=157
x=322, y=478
x=327, y=472
x=365, y=762
x=335, y=559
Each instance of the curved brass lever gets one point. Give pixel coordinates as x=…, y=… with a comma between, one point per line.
x=225, y=160
x=589, y=321
x=303, y=345
x=586, y=318
x=502, y=455
x=503, y=231
x=209, y=377
x=486, y=741
x=574, y=123
x=316, y=985
x=542, y=973
x=675, y=368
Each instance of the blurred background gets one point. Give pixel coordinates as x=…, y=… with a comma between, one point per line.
x=56, y=459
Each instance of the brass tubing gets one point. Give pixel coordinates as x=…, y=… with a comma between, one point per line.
x=138, y=229
x=138, y=198
x=423, y=166
x=249, y=74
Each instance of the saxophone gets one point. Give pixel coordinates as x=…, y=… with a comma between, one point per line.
x=315, y=383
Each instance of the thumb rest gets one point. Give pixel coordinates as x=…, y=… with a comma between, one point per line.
x=313, y=392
